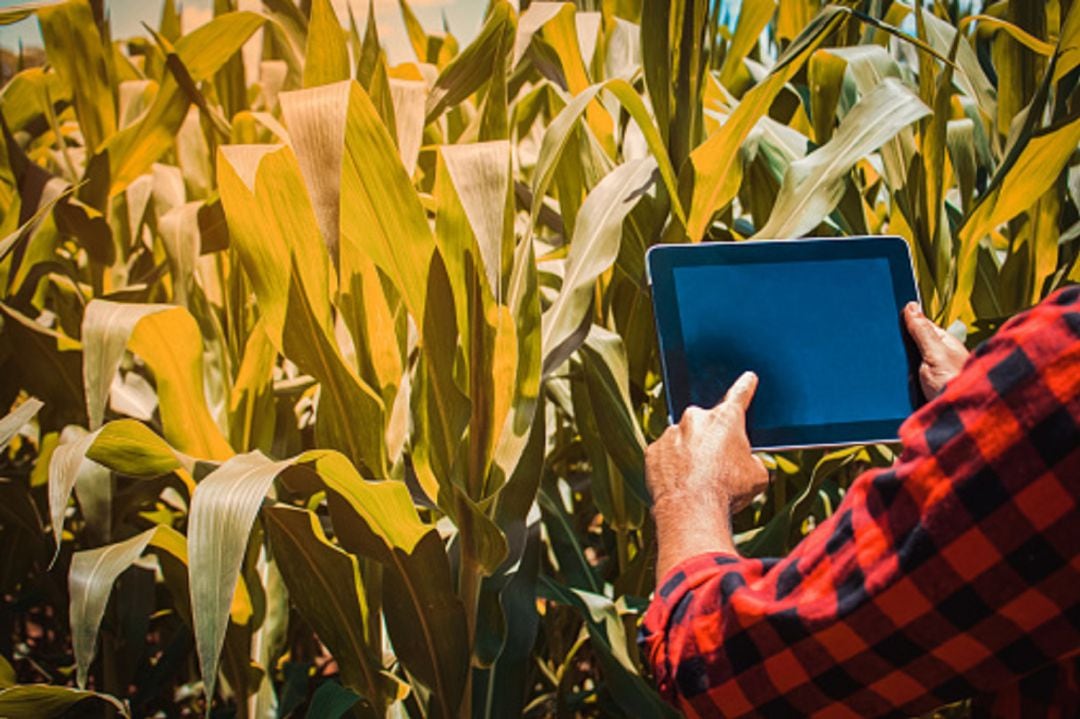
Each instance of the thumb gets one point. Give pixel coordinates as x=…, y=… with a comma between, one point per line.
x=922, y=330
x=742, y=392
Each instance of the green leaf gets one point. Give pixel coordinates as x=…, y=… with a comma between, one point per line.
x=714, y=172
x=560, y=130
x=480, y=176
x=90, y=581
x=1068, y=45
x=609, y=641
x=106, y=328
x=65, y=465
x=7, y=674
x=330, y=701
x=324, y=583
x=76, y=52
x=426, y=620
x=380, y=206
x=408, y=98
x=476, y=65
x=223, y=509
x=13, y=421
x=130, y=152
x=417, y=37
x=273, y=228
x=593, y=249
x=754, y=15
x=656, y=62
x=814, y=185
x=785, y=528
x=42, y=701
x=129, y=447
x=168, y=339
x=47, y=365
x=940, y=34
x=327, y=57
x=1027, y=174
x=608, y=384
x=251, y=408
x=14, y=13
x=524, y=297
x=179, y=229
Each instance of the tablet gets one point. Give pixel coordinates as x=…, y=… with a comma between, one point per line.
x=818, y=320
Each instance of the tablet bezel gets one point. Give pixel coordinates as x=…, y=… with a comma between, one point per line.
x=661, y=260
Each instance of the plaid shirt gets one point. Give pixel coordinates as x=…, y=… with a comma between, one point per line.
x=954, y=573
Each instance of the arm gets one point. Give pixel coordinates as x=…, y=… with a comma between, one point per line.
x=698, y=472
x=949, y=574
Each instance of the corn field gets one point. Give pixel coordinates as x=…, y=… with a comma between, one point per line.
x=329, y=380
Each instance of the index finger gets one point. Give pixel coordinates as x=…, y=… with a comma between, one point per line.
x=742, y=392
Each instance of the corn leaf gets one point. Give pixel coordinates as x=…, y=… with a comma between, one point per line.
x=561, y=129
x=14, y=13
x=106, y=328
x=129, y=447
x=472, y=69
x=1068, y=48
x=379, y=206
x=1016, y=187
x=607, y=382
x=330, y=701
x=223, y=509
x=971, y=78
x=67, y=463
x=408, y=97
x=251, y=399
x=43, y=701
x=754, y=15
x=179, y=228
x=90, y=582
x=13, y=421
x=168, y=339
x=477, y=179
x=48, y=365
x=609, y=641
x=325, y=584
x=426, y=620
x=274, y=230
x=201, y=52
x=74, y=49
x=327, y=57
x=714, y=172
x=523, y=293
x=1017, y=33
x=814, y=185
x=417, y=37
x=593, y=249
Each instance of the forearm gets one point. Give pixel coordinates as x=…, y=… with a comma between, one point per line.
x=689, y=526
x=946, y=575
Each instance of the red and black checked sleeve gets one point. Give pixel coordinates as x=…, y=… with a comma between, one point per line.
x=953, y=573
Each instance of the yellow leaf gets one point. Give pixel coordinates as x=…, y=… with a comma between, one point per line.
x=715, y=171
x=1014, y=189
x=327, y=57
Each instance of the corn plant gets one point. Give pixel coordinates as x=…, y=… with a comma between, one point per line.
x=330, y=380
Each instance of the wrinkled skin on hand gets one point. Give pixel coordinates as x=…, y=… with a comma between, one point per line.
x=699, y=472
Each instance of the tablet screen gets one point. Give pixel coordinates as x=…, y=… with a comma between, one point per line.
x=822, y=332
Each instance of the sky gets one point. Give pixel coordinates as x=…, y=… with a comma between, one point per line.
x=463, y=16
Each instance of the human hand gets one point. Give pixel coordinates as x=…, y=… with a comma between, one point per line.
x=699, y=472
x=943, y=355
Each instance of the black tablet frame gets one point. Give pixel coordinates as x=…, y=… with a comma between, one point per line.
x=661, y=260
